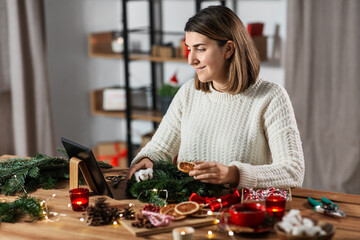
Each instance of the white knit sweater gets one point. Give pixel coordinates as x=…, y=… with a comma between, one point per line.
x=256, y=131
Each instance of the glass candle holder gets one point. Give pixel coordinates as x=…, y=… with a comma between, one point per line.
x=79, y=198
x=183, y=233
x=275, y=206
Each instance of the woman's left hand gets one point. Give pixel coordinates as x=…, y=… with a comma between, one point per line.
x=216, y=173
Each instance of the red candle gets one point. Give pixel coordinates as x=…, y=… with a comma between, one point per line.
x=79, y=198
x=275, y=206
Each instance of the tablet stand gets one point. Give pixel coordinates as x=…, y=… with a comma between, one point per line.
x=75, y=164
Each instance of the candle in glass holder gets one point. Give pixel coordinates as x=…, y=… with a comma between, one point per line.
x=79, y=198
x=183, y=233
x=275, y=206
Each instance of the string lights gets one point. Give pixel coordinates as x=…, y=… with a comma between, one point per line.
x=50, y=216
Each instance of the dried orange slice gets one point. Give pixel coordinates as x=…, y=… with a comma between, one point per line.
x=166, y=208
x=171, y=212
x=200, y=214
x=186, y=166
x=187, y=208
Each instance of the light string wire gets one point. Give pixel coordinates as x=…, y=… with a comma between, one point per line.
x=44, y=205
x=218, y=219
x=156, y=191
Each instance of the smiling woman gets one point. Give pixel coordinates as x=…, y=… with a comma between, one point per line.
x=234, y=126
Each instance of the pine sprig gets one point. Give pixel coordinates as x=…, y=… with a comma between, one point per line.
x=24, y=205
x=179, y=186
x=41, y=171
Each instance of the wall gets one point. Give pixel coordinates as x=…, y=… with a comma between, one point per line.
x=73, y=74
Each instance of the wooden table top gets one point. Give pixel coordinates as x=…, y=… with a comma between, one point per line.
x=70, y=226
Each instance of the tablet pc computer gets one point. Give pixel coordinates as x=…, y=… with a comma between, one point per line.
x=85, y=154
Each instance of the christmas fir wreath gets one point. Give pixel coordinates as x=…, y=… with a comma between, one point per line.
x=170, y=185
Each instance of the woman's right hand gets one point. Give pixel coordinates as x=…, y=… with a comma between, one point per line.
x=144, y=163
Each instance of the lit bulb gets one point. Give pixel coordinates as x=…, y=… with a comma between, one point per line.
x=182, y=233
x=231, y=233
x=82, y=219
x=209, y=213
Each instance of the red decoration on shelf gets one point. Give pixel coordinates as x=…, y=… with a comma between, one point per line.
x=255, y=29
x=216, y=203
x=174, y=81
x=186, y=52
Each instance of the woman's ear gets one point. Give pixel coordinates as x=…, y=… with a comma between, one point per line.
x=229, y=49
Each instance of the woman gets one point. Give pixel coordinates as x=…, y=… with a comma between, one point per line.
x=238, y=128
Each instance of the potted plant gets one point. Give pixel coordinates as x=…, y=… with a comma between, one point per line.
x=166, y=93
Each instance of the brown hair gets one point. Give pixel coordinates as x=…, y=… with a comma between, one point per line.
x=221, y=24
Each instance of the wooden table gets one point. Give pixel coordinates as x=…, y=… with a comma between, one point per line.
x=70, y=226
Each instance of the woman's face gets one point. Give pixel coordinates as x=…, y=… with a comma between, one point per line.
x=207, y=58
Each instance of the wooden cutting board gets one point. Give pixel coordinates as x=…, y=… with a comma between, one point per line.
x=192, y=222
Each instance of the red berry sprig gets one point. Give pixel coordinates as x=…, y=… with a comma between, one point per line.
x=151, y=207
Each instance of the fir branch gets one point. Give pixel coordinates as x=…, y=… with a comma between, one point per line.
x=24, y=205
x=40, y=171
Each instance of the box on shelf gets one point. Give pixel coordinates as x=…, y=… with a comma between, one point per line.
x=114, y=99
x=261, y=45
x=145, y=139
x=163, y=51
x=113, y=153
x=287, y=190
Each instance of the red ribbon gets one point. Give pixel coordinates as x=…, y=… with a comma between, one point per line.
x=214, y=203
x=114, y=158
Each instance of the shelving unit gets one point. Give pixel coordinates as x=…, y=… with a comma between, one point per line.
x=100, y=46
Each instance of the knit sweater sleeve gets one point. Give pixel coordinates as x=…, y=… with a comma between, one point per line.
x=287, y=168
x=165, y=143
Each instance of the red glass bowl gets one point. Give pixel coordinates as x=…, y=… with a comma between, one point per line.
x=247, y=214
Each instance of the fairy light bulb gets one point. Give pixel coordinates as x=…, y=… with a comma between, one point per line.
x=209, y=213
x=231, y=233
x=183, y=233
x=210, y=235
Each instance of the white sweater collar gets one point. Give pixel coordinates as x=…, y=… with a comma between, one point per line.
x=216, y=96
